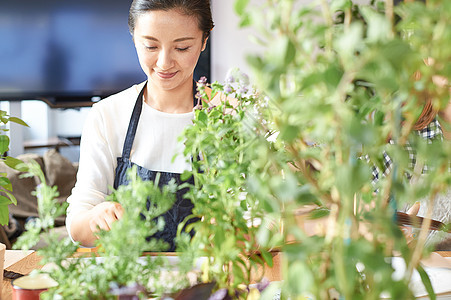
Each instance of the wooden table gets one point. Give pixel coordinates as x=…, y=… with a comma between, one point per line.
x=25, y=261
x=18, y=261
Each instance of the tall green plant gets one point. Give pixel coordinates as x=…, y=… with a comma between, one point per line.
x=220, y=141
x=7, y=197
x=340, y=81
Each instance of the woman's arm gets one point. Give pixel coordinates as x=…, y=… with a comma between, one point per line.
x=85, y=226
x=88, y=211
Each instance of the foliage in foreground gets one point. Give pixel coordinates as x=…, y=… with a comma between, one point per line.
x=336, y=84
x=121, y=266
x=340, y=82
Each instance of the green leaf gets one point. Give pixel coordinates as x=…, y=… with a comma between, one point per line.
x=186, y=175
x=263, y=235
x=300, y=284
x=362, y=132
x=202, y=117
x=378, y=25
x=18, y=121
x=427, y=282
x=240, y=6
x=243, y=204
x=4, y=143
x=245, y=21
x=4, y=214
x=332, y=76
x=352, y=177
x=289, y=133
x=305, y=195
x=4, y=200
x=268, y=258
x=347, y=44
x=238, y=274
x=340, y=5
x=290, y=52
x=11, y=197
x=318, y=213
x=6, y=183
x=13, y=162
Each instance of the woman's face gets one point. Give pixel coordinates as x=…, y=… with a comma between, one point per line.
x=168, y=44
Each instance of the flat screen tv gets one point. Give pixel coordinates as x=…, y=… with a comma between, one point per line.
x=65, y=51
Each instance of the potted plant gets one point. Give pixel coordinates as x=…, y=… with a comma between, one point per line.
x=119, y=266
x=221, y=143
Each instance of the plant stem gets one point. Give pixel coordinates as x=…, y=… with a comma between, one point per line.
x=348, y=17
x=301, y=164
x=424, y=231
x=389, y=15
x=329, y=22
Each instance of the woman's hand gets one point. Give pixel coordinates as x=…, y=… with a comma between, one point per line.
x=104, y=215
x=84, y=226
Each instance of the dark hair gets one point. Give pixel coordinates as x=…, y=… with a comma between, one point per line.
x=198, y=8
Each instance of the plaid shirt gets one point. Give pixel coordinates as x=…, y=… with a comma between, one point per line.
x=430, y=133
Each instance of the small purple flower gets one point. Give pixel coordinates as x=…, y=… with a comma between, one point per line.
x=198, y=107
x=230, y=79
x=244, y=78
x=263, y=284
x=228, y=89
x=203, y=81
x=218, y=295
x=243, y=90
x=209, y=109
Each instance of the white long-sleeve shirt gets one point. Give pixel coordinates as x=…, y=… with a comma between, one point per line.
x=156, y=143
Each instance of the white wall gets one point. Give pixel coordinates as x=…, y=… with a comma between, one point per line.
x=15, y=132
x=229, y=43
x=37, y=115
x=46, y=122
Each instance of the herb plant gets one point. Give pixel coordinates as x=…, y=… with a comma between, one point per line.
x=220, y=141
x=340, y=82
x=119, y=266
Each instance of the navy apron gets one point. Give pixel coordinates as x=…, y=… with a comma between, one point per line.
x=181, y=208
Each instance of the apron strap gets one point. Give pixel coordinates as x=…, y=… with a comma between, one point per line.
x=133, y=125
x=134, y=120
x=194, y=93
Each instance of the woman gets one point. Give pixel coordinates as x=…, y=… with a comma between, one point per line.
x=141, y=124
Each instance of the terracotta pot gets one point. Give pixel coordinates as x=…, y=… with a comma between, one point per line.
x=29, y=287
x=2, y=262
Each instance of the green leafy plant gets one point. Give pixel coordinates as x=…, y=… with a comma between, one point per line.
x=220, y=142
x=120, y=265
x=6, y=196
x=340, y=84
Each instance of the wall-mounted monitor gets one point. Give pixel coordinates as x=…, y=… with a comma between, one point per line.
x=68, y=51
